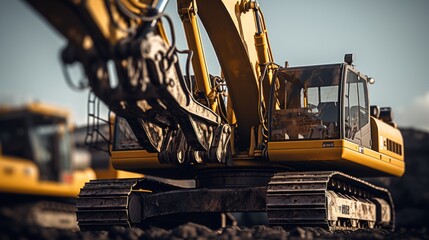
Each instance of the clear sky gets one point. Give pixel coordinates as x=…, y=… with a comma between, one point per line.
x=389, y=38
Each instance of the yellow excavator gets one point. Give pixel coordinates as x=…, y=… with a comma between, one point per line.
x=289, y=142
x=39, y=174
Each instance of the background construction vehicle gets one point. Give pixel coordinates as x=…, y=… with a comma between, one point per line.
x=40, y=173
x=261, y=138
x=41, y=170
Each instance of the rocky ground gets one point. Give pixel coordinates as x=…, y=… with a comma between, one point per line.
x=199, y=232
x=410, y=194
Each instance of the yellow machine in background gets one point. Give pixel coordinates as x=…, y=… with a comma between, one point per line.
x=37, y=167
x=36, y=152
x=41, y=172
x=259, y=138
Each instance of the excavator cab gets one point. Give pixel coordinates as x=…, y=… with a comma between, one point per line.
x=307, y=104
x=322, y=114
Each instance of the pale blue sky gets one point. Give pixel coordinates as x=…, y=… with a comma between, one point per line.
x=389, y=39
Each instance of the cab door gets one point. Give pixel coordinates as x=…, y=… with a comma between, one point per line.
x=356, y=109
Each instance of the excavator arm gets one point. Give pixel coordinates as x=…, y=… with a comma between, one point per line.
x=152, y=94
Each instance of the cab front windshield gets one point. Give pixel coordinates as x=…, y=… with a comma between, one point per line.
x=306, y=103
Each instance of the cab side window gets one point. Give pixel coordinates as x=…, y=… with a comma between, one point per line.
x=356, y=105
x=363, y=104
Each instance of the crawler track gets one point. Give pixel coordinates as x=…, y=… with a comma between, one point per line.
x=331, y=200
x=104, y=203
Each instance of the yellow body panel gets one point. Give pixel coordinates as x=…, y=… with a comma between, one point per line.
x=335, y=154
x=141, y=160
x=18, y=176
x=130, y=160
x=117, y=171
x=387, y=139
x=302, y=155
x=111, y=173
